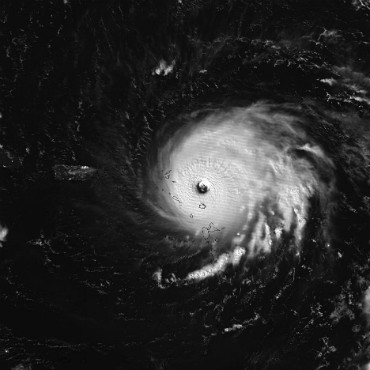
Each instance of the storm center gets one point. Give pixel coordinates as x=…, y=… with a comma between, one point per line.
x=203, y=186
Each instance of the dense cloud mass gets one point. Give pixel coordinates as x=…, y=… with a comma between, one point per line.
x=262, y=171
x=184, y=185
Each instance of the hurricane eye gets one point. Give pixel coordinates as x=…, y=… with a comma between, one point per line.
x=203, y=186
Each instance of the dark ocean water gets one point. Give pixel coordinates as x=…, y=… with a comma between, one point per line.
x=92, y=276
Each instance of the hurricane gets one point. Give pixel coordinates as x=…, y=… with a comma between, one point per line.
x=239, y=179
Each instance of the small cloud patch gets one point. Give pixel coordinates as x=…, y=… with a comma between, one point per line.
x=3, y=233
x=163, y=69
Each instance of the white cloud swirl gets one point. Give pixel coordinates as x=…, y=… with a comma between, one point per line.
x=260, y=167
